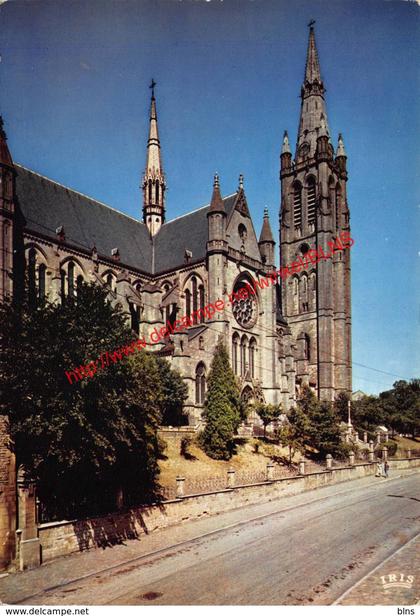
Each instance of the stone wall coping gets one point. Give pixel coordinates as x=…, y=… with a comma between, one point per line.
x=222, y=491
x=57, y=523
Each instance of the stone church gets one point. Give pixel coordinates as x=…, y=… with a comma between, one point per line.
x=157, y=270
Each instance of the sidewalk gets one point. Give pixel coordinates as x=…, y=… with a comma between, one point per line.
x=380, y=587
x=16, y=587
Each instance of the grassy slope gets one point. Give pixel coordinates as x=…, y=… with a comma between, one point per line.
x=204, y=467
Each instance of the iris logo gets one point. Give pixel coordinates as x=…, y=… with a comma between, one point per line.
x=397, y=580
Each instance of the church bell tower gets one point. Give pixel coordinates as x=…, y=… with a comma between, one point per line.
x=314, y=212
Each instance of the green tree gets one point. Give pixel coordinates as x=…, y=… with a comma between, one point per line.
x=294, y=433
x=323, y=432
x=221, y=409
x=307, y=401
x=401, y=407
x=175, y=392
x=79, y=441
x=341, y=406
x=267, y=413
x=367, y=413
x=324, y=429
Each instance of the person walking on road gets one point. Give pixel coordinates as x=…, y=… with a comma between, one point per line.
x=386, y=468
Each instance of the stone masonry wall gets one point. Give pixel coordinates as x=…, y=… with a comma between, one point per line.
x=61, y=538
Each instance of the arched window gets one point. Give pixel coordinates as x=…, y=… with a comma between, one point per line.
x=244, y=364
x=337, y=207
x=41, y=281
x=135, y=316
x=70, y=280
x=32, y=274
x=280, y=344
x=201, y=343
x=311, y=199
x=62, y=285
x=157, y=191
x=297, y=205
x=200, y=384
x=307, y=347
x=188, y=302
x=312, y=290
x=295, y=283
x=194, y=298
x=201, y=299
x=235, y=344
x=303, y=294
x=252, y=354
x=150, y=192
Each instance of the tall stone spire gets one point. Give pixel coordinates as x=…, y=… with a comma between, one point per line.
x=154, y=184
x=313, y=113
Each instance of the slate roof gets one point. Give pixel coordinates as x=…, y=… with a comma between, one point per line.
x=187, y=232
x=47, y=205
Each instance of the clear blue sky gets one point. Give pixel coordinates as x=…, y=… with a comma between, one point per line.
x=74, y=95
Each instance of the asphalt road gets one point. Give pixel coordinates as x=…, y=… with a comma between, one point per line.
x=307, y=554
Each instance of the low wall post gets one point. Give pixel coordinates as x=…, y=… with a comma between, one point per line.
x=231, y=478
x=270, y=471
x=365, y=437
x=329, y=460
x=378, y=438
x=408, y=453
x=351, y=458
x=371, y=445
x=29, y=545
x=302, y=467
x=180, y=486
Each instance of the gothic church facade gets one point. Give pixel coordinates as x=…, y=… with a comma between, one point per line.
x=298, y=331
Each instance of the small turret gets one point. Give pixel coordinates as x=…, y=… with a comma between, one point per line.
x=341, y=156
x=286, y=154
x=266, y=242
x=216, y=217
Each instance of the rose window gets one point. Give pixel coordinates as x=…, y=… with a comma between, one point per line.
x=244, y=308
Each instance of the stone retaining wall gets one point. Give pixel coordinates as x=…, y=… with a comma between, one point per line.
x=61, y=538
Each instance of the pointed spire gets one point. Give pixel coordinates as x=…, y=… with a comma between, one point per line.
x=266, y=233
x=153, y=163
x=241, y=183
x=340, y=148
x=216, y=203
x=5, y=158
x=312, y=68
x=313, y=114
x=154, y=184
x=285, y=149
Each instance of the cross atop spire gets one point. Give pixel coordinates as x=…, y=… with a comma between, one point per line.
x=152, y=87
